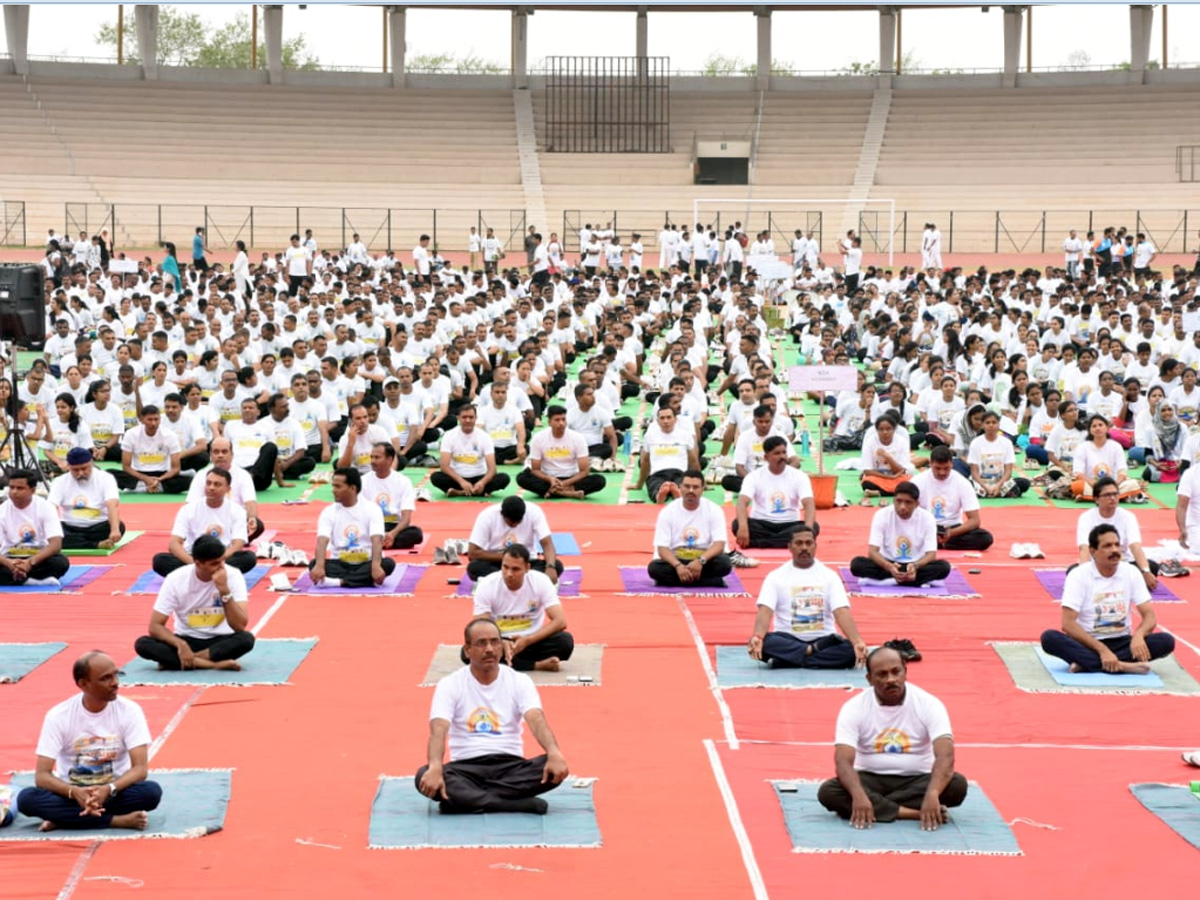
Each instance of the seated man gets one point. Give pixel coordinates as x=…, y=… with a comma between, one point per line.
x=209, y=602
x=559, y=465
x=894, y=752
x=804, y=601
x=393, y=493
x=750, y=450
x=354, y=448
x=953, y=503
x=774, y=500
x=1108, y=511
x=903, y=543
x=150, y=457
x=498, y=527
x=689, y=539
x=30, y=536
x=482, y=709
x=468, y=460
x=217, y=516
x=242, y=491
x=193, y=444
x=1097, y=599
x=504, y=424
x=253, y=445
x=668, y=450
x=525, y=605
x=91, y=757
x=87, y=503
x=292, y=459
x=350, y=537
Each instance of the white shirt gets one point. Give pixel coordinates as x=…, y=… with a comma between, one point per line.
x=82, y=503
x=392, y=495
x=1126, y=523
x=688, y=533
x=1093, y=462
x=903, y=540
x=1104, y=604
x=991, y=457
x=196, y=604
x=893, y=740
x=518, y=612
x=349, y=530
x=484, y=718
x=150, y=454
x=946, y=500
x=668, y=451
x=777, y=498
x=92, y=748
x=1189, y=487
x=227, y=522
x=468, y=452
x=490, y=532
x=375, y=434
x=804, y=600
x=25, y=532
x=559, y=456
x=248, y=440
x=105, y=423
x=241, y=489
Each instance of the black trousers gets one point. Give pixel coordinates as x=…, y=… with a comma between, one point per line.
x=506, y=455
x=862, y=567
x=790, y=652
x=656, y=480
x=713, y=574
x=407, y=538
x=445, y=483
x=481, y=568
x=355, y=574
x=55, y=566
x=975, y=539
x=776, y=535
x=193, y=463
x=302, y=466
x=601, y=451
x=416, y=451
x=165, y=563
x=86, y=537
x=175, y=485
x=589, y=484
x=262, y=472
x=560, y=646
x=888, y=793
x=221, y=647
x=488, y=783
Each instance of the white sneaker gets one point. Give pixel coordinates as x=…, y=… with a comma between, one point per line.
x=331, y=582
x=424, y=496
x=1192, y=759
x=297, y=558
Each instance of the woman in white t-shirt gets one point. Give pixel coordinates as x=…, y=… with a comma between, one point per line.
x=241, y=269
x=991, y=458
x=1098, y=457
x=1066, y=437
x=105, y=421
x=65, y=430
x=886, y=457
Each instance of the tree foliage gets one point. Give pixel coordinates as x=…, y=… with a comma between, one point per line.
x=448, y=63
x=185, y=40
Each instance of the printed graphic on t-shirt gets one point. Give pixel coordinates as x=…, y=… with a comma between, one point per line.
x=904, y=549
x=94, y=758
x=483, y=721
x=353, y=549
x=206, y=617
x=1112, y=611
x=691, y=548
x=808, y=609
x=892, y=740
x=939, y=506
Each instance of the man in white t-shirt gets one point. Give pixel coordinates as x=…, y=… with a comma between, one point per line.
x=92, y=757
x=88, y=504
x=253, y=443
x=1187, y=514
x=903, y=543
x=953, y=503
x=481, y=710
x=525, y=605
x=208, y=600
x=468, y=460
x=350, y=537
x=800, y=607
x=150, y=457
x=1097, y=603
x=393, y=493
x=1107, y=511
x=774, y=500
x=689, y=539
x=242, y=491
x=498, y=527
x=893, y=752
x=559, y=464
x=354, y=448
x=30, y=536
x=215, y=515
x=299, y=262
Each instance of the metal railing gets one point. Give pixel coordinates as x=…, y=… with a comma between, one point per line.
x=12, y=228
x=1187, y=162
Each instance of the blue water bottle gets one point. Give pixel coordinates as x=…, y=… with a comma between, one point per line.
x=804, y=443
x=628, y=442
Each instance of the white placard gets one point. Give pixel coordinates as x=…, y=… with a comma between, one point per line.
x=822, y=378
x=123, y=266
x=770, y=268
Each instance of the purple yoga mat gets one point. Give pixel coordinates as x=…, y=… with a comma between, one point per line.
x=90, y=574
x=1054, y=579
x=954, y=586
x=638, y=581
x=403, y=580
x=568, y=584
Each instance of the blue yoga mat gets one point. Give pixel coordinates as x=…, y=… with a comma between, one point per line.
x=1060, y=671
x=193, y=805
x=403, y=818
x=736, y=669
x=18, y=660
x=565, y=544
x=151, y=582
x=1177, y=806
x=270, y=662
x=74, y=574
x=975, y=828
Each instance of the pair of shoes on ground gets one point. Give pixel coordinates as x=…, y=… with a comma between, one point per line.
x=1192, y=759
x=908, y=652
x=607, y=465
x=449, y=552
x=1170, y=568
x=1026, y=551
x=741, y=561
x=284, y=555
x=423, y=495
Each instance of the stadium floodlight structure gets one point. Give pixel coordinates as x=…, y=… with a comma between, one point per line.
x=801, y=205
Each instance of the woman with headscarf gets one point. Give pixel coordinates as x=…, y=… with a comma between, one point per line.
x=1162, y=462
x=967, y=426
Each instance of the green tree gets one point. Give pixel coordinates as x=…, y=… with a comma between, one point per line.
x=443, y=63
x=228, y=47
x=718, y=65
x=181, y=36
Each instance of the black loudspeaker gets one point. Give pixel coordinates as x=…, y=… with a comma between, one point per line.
x=22, y=305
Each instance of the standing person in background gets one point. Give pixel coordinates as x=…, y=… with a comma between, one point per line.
x=170, y=266
x=474, y=245
x=1072, y=253
x=241, y=270
x=199, y=259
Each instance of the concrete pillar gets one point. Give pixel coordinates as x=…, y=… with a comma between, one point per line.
x=396, y=46
x=1013, y=20
x=1141, y=20
x=643, y=41
x=16, y=29
x=763, y=17
x=520, y=46
x=273, y=35
x=147, y=38
x=887, y=40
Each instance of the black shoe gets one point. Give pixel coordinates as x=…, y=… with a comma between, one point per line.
x=905, y=648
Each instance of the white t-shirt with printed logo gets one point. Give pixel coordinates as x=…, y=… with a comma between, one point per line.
x=1104, y=604
x=893, y=740
x=903, y=540
x=227, y=522
x=490, y=532
x=559, y=456
x=248, y=440
x=25, y=532
x=349, y=530
x=804, y=600
x=92, y=748
x=196, y=604
x=668, y=451
x=147, y=453
x=688, y=533
x=484, y=718
x=468, y=452
x=500, y=424
x=991, y=457
x=375, y=434
x=104, y=424
x=777, y=498
x=518, y=612
x=1124, y=520
x=82, y=503
x=392, y=495
x=947, y=500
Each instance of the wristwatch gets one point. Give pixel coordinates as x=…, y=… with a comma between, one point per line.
x=112, y=786
x=225, y=598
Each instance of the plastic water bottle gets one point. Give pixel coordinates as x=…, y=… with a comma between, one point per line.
x=804, y=443
x=628, y=442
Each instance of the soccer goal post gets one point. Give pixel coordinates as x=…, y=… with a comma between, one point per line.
x=873, y=220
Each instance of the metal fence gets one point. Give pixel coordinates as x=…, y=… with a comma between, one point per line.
x=12, y=228
x=1187, y=162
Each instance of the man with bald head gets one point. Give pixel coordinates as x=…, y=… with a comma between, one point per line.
x=241, y=489
x=92, y=757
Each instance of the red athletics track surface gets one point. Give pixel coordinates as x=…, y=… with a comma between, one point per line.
x=307, y=756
